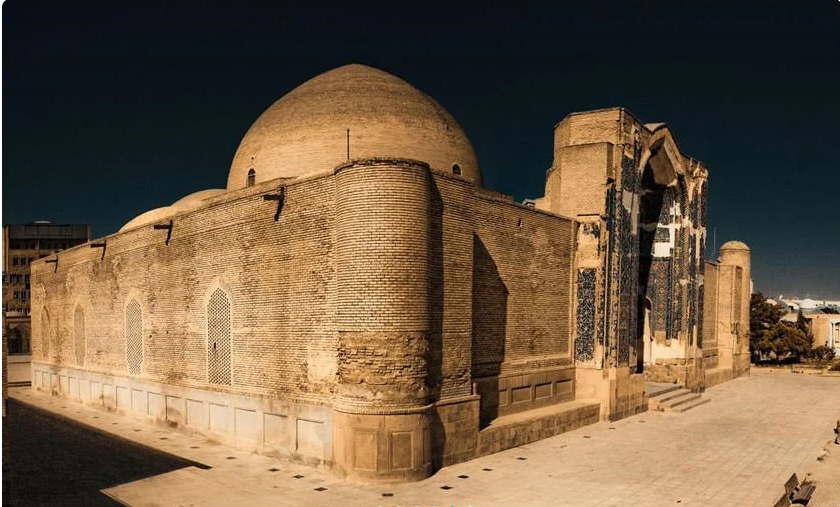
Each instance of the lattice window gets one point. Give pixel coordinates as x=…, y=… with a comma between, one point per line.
x=218, y=338
x=134, y=337
x=79, y=335
x=46, y=336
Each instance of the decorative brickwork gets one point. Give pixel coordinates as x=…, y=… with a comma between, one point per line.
x=585, y=339
x=218, y=338
x=133, y=337
x=79, y=335
x=46, y=335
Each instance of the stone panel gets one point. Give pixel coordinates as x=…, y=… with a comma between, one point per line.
x=364, y=450
x=310, y=438
x=247, y=427
x=157, y=407
x=276, y=431
x=139, y=402
x=402, y=450
x=174, y=409
x=219, y=418
x=123, y=398
x=196, y=414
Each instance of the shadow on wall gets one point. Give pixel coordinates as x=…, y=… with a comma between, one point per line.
x=434, y=352
x=489, y=323
x=656, y=199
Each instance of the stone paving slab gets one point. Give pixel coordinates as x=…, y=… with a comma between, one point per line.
x=737, y=450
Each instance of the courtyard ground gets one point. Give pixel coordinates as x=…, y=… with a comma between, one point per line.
x=737, y=450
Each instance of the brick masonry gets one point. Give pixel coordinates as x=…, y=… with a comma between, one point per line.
x=385, y=317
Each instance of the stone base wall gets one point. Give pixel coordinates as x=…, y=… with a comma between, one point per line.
x=720, y=375
x=542, y=423
x=619, y=392
x=717, y=376
x=686, y=372
x=363, y=447
x=628, y=394
x=267, y=426
x=741, y=364
x=457, y=421
x=408, y=446
x=383, y=447
x=502, y=395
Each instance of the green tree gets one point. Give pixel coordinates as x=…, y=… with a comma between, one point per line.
x=763, y=316
x=771, y=339
x=801, y=322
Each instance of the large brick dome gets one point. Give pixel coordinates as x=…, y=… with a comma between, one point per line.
x=305, y=132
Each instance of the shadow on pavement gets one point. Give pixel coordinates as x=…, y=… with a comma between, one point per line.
x=49, y=460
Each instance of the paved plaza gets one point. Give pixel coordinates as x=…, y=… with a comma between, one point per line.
x=737, y=450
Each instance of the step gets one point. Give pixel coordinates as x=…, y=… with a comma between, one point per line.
x=655, y=391
x=679, y=400
x=521, y=428
x=656, y=402
x=673, y=395
x=688, y=406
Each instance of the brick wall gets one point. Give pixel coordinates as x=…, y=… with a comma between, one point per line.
x=278, y=276
x=382, y=288
x=522, y=265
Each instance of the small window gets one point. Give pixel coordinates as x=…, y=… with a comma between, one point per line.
x=252, y=177
x=456, y=169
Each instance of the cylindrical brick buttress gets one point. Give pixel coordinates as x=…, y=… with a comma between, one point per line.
x=382, y=234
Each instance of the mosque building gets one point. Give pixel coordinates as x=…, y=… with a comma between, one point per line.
x=356, y=299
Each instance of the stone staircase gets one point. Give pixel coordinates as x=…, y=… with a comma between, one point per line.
x=673, y=398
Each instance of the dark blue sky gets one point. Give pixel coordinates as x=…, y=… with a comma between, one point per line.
x=112, y=109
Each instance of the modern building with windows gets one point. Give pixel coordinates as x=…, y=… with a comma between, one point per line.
x=23, y=244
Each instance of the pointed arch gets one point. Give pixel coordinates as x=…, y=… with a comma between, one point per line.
x=133, y=337
x=79, y=337
x=219, y=350
x=45, y=334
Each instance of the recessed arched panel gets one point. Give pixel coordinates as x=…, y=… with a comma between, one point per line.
x=218, y=339
x=46, y=335
x=79, y=335
x=134, y=337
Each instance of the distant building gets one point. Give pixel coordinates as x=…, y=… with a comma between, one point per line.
x=23, y=244
x=825, y=327
x=808, y=305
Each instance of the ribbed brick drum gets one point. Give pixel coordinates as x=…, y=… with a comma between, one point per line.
x=382, y=282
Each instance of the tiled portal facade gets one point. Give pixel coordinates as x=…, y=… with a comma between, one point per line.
x=380, y=313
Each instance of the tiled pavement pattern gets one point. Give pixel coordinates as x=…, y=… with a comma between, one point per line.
x=737, y=450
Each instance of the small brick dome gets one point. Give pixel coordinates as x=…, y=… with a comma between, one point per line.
x=148, y=218
x=186, y=203
x=305, y=132
x=734, y=245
